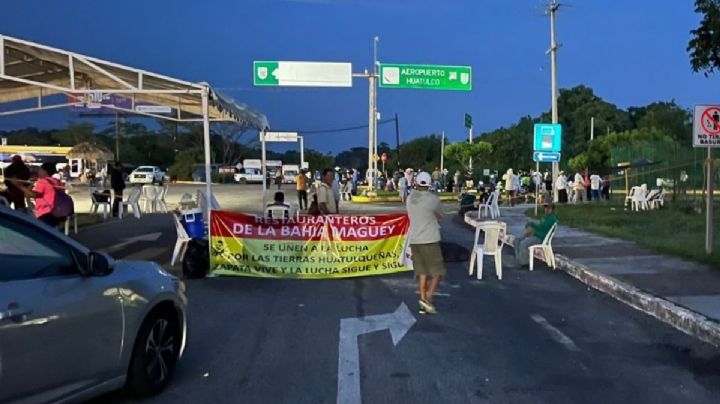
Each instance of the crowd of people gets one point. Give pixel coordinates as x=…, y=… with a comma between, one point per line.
x=41, y=192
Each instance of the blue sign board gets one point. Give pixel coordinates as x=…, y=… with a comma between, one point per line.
x=548, y=137
x=546, y=157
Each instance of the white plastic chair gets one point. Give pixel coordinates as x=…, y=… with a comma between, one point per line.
x=658, y=201
x=639, y=202
x=151, y=193
x=495, y=208
x=132, y=202
x=650, y=198
x=631, y=195
x=490, y=246
x=277, y=212
x=182, y=241
x=97, y=204
x=486, y=209
x=545, y=247
x=161, y=199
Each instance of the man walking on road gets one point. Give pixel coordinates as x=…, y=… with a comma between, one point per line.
x=301, y=185
x=425, y=211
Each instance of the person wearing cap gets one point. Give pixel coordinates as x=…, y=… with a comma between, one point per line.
x=425, y=211
x=534, y=234
x=17, y=170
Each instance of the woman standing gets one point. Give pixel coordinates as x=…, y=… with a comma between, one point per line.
x=45, y=194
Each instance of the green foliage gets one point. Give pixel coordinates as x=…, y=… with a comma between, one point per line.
x=462, y=152
x=579, y=162
x=319, y=161
x=184, y=163
x=420, y=153
x=704, y=47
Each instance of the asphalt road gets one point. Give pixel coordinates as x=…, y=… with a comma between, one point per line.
x=533, y=337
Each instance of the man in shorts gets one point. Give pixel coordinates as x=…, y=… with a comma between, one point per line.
x=425, y=211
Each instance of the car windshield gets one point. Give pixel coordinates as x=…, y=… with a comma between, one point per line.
x=144, y=170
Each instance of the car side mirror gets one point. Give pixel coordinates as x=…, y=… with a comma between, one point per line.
x=99, y=264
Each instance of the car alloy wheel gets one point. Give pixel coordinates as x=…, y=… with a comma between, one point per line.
x=159, y=351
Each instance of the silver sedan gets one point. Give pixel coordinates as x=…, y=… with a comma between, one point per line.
x=75, y=323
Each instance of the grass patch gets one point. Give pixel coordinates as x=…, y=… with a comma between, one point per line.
x=668, y=230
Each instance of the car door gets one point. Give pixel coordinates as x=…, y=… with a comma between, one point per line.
x=60, y=332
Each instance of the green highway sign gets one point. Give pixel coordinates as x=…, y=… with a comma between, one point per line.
x=302, y=74
x=468, y=121
x=426, y=77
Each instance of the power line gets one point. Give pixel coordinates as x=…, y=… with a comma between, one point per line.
x=347, y=129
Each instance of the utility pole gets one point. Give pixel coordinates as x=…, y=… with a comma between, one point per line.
x=592, y=128
x=117, y=136
x=372, y=116
x=442, y=154
x=471, y=140
x=397, y=137
x=371, y=136
x=552, y=10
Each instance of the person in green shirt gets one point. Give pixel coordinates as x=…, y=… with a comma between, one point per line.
x=534, y=234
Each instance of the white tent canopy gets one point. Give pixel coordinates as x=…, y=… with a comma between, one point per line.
x=31, y=71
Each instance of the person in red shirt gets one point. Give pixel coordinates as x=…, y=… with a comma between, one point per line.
x=44, y=194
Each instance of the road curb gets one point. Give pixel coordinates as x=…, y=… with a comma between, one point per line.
x=688, y=321
x=683, y=319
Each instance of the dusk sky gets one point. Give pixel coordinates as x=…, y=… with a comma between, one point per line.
x=629, y=52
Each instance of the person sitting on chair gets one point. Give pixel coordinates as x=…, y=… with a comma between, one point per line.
x=534, y=234
x=278, y=202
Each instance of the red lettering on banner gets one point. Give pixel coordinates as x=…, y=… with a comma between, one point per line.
x=331, y=227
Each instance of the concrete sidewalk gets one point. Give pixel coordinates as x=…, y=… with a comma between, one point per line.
x=682, y=293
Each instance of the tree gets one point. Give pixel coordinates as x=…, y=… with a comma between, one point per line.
x=462, y=152
x=704, y=47
x=230, y=135
x=317, y=160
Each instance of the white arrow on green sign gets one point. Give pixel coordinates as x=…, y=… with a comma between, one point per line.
x=302, y=74
x=427, y=77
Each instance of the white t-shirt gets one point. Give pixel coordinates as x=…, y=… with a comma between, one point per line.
x=325, y=194
x=595, y=181
x=579, y=182
x=424, y=209
x=561, y=182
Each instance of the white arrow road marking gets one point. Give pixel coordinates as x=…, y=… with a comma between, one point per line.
x=555, y=334
x=398, y=323
x=126, y=242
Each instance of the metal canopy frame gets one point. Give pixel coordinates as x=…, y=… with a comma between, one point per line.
x=30, y=70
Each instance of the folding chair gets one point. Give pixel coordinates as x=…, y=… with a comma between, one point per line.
x=545, y=247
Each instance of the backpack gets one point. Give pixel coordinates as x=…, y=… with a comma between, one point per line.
x=196, y=262
x=64, y=205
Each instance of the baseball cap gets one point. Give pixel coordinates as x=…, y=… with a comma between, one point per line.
x=423, y=179
x=16, y=159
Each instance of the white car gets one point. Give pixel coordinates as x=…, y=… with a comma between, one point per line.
x=249, y=175
x=75, y=323
x=147, y=175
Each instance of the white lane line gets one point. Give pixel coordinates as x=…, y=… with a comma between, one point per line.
x=555, y=334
